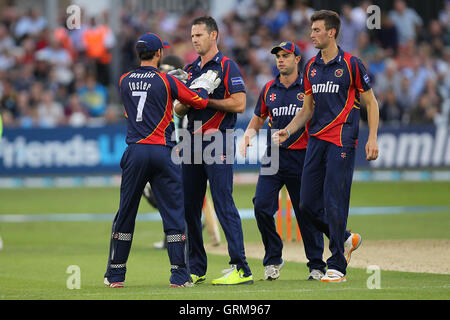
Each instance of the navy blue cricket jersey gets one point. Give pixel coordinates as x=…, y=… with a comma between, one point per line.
x=148, y=95
x=336, y=88
x=232, y=82
x=281, y=104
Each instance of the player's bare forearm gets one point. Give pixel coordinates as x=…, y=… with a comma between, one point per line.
x=235, y=103
x=303, y=116
x=181, y=110
x=373, y=118
x=255, y=124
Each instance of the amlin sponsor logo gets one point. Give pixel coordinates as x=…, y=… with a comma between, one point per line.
x=414, y=149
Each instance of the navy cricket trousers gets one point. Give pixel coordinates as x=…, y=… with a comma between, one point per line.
x=219, y=173
x=325, y=196
x=266, y=205
x=141, y=163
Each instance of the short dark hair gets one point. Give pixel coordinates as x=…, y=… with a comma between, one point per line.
x=211, y=24
x=146, y=54
x=331, y=19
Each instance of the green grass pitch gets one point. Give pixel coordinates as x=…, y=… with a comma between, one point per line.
x=36, y=255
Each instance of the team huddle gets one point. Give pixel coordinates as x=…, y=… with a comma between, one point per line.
x=315, y=115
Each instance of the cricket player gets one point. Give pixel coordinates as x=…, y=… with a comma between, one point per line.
x=147, y=95
x=280, y=100
x=335, y=83
x=229, y=99
x=173, y=65
x=1, y=132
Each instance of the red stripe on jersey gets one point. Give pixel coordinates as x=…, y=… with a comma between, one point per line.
x=213, y=124
x=333, y=131
x=300, y=143
x=158, y=136
x=226, y=74
x=123, y=76
x=120, y=83
x=358, y=83
x=264, y=110
x=308, y=89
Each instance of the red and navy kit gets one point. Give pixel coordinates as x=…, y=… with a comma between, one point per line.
x=330, y=156
x=147, y=95
x=232, y=82
x=281, y=104
x=153, y=92
x=336, y=87
x=219, y=174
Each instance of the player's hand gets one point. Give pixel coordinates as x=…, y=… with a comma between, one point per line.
x=246, y=142
x=180, y=110
x=280, y=136
x=208, y=81
x=180, y=74
x=371, y=149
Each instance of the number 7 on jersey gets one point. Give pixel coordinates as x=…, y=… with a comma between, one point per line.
x=142, y=98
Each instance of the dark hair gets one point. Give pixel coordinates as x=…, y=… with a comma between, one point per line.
x=171, y=62
x=145, y=54
x=211, y=24
x=331, y=19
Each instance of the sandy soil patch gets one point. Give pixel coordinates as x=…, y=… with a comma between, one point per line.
x=429, y=256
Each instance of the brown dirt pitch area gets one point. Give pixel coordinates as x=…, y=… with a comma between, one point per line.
x=427, y=256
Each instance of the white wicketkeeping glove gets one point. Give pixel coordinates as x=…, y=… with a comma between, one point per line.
x=180, y=74
x=208, y=81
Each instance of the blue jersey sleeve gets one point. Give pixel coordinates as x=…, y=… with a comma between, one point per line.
x=361, y=77
x=233, y=80
x=261, y=109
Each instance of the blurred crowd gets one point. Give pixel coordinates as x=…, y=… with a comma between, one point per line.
x=64, y=77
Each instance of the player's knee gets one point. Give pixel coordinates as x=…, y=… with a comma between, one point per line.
x=262, y=207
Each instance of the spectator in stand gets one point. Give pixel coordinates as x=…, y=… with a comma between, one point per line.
x=30, y=24
x=300, y=16
x=276, y=17
x=350, y=30
x=406, y=20
x=359, y=14
x=418, y=74
x=50, y=113
x=390, y=111
x=387, y=35
x=27, y=42
x=28, y=116
x=8, y=100
x=425, y=112
x=391, y=79
x=58, y=57
x=435, y=37
x=406, y=99
x=444, y=18
x=75, y=113
x=94, y=96
x=7, y=42
x=98, y=41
